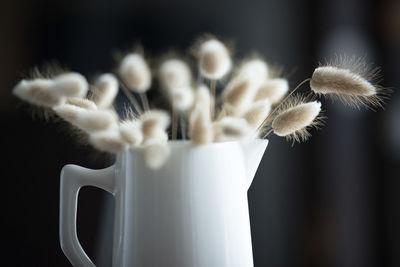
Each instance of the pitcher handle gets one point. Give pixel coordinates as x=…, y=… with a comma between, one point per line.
x=74, y=177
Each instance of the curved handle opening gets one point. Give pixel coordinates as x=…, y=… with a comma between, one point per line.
x=73, y=178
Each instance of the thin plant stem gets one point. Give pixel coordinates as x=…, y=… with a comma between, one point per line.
x=174, y=123
x=145, y=101
x=268, y=133
x=183, y=125
x=280, y=103
x=131, y=97
x=213, y=84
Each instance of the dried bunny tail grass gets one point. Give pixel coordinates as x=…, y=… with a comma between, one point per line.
x=131, y=132
x=200, y=125
x=38, y=92
x=108, y=141
x=70, y=84
x=155, y=154
x=273, y=90
x=82, y=103
x=68, y=112
x=175, y=73
x=200, y=128
x=203, y=98
x=351, y=80
x=86, y=120
x=100, y=120
x=255, y=69
x=105, y=90
x=159, y=136
x=231, y=128
x=135, y=72
x=238, y=95
x=154, y=122
x=294, y=120
x=214, y=58
x=182, y=98
x=257, y=113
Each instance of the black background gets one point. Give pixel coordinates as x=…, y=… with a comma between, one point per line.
x=332, y=201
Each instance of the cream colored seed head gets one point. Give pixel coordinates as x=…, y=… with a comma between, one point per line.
x=100, y=120
x=70, y=84
x=82, y=102
x=334, y=80
x=200, y=125
x=158, y=136
x=87, y=120
x=182, y=98
x=135, y=72
x=131, y=132
x=106, y=89
x=38, y=92
x=68, y=112
x=231, y=128
x=273, y=90
x=214, y=59
x=256, y=70
x=238, y=95
x=155, y=154
x=154, y=122
x=203, y=98
x=296, y=118
x=108, y=141
x=257, y=113
x=175, y=73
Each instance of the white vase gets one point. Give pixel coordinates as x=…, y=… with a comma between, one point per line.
x=193, y=211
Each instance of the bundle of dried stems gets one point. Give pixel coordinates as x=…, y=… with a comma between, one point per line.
x=251, y=103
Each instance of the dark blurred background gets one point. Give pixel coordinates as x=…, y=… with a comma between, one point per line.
x=332, y=201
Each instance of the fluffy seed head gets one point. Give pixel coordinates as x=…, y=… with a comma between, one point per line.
x=175, y=73
x=82, y=102
x=155, y=154
x=333, y=80
x=273, y=90
x=350, y=80
x=158, y=136
x=182, y=98
x=92, y=121
x=293, y=122
x=108, y=141
x=154, y=122
x=68, y=112
x=106, y=89
x=257, y=113
x=200, y=126
x=214, y=59
x=254, y=69
x=203, y=98
x=131, y=132
x=231, y=128
x=135, y=73
x=239, y=94
x=38, y=92
x=86, y=120
x=70, y=84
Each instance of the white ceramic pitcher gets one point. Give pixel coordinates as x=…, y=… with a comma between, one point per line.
x=192, y=212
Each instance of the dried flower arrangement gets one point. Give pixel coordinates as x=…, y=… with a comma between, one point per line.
x=252, y=103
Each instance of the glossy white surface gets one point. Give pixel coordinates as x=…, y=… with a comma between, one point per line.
x=192, y=212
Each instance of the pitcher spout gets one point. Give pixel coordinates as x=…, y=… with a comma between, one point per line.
x=253, y=152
